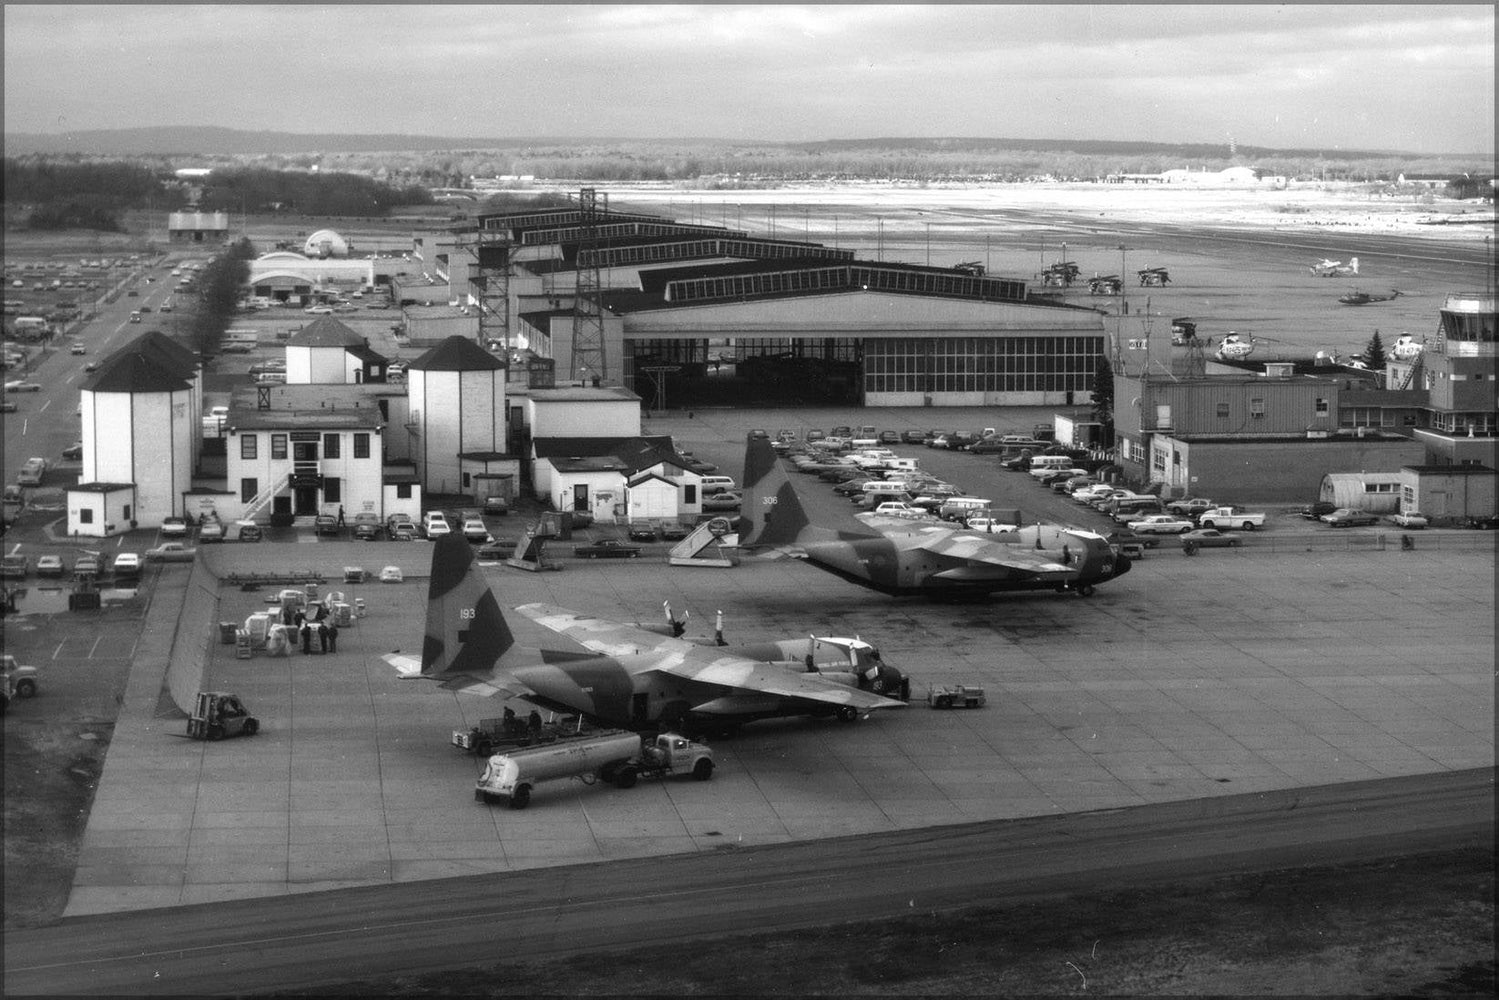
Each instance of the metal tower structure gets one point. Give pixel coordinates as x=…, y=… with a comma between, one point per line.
x=491, y=250
x=588, y=360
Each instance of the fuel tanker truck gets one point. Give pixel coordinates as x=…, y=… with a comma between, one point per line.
x=617, y=756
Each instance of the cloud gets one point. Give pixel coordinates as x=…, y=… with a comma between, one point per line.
x=774, y=72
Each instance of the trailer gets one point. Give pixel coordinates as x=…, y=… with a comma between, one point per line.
x=616, y=756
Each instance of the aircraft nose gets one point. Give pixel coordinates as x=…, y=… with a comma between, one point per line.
x=1122, y=564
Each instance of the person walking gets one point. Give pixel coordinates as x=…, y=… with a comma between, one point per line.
x=340, y=515
x=322, y=637
x=306, y=637
x=332, y=637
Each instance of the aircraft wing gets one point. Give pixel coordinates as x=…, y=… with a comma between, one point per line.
x=645, y=651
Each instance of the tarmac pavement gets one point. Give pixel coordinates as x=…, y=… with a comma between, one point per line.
x=1187, y=678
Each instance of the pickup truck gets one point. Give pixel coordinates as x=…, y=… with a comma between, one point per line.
x=171, y=552
x=1225, y=518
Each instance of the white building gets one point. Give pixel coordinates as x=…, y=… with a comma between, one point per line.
x=303, y=450
x=616, y=479
x=139, y=427
x=326, y=351
x=456, y=400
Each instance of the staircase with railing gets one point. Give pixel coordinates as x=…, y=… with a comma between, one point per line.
x=259, y=501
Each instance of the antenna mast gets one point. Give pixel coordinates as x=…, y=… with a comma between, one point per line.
x=588, y=359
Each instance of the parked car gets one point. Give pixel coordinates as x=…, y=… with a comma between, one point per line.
x=211, y=530
x=889, y=437
x=127, y=565
x=642, y=533
x=725, y=501
x=674, y=532
x=1160, y=524
x=366, y=532
x=73, y=452
x=1316, y=511
x=1346, y=517
x=248, y=531
x=609, y=548
x=15, y=566
x=1210, y=538
x=1409, y=519
x=170, y=552
x=1189, y=507
x=913, y=435
x=87, y=564
x=435, y=524
x=173, y=527
x=1484, y=523
x=496, y=506
x=49, y=566
x=474, y=530
x=325, y=524
x=22, y=387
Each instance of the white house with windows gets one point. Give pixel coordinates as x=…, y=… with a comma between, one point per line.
x=300, y=451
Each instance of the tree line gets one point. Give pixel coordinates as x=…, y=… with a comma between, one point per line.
x=66, y=194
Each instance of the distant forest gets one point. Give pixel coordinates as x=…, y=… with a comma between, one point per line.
x=92, y=189
x=51, y=193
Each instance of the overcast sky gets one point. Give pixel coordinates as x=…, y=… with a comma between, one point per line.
x=1415, y=78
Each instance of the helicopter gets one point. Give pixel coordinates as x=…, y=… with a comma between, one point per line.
x=1237, y=347
x=1406, y=348
x=1357, y=298
x=1335, y=268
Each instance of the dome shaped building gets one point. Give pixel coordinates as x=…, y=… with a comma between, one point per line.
x=456, y=396
x=326, y=243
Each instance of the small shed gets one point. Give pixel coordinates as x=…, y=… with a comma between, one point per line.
x=649, y=495
x=1449, y=494
x=1375, y=492
x=99, y=510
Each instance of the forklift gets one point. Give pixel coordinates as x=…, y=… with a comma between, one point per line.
x=218, y=715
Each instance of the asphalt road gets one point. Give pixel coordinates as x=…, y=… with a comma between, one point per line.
x=304, y=941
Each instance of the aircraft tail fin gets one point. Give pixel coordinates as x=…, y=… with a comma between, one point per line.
x=466, y=632
x=771, y=512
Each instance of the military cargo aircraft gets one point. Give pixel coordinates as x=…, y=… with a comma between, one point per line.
x=632, y=675
x=899, y=556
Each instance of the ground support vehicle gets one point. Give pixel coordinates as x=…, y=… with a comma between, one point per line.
x=217, y=715
x=955, y=696
x=614, y=756
x=20, y=679
x=1230, y=517
x=510, y=731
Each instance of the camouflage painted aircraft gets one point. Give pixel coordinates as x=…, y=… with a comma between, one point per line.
x=635, y=675
x=899, y=556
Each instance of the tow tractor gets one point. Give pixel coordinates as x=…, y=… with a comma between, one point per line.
x=955, y=696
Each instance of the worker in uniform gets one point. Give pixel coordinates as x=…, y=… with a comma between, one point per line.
x=322, y=636
x=306, y=631
x=534, y=721
x=332, y=637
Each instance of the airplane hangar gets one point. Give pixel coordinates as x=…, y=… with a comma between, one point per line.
x=696, y=314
